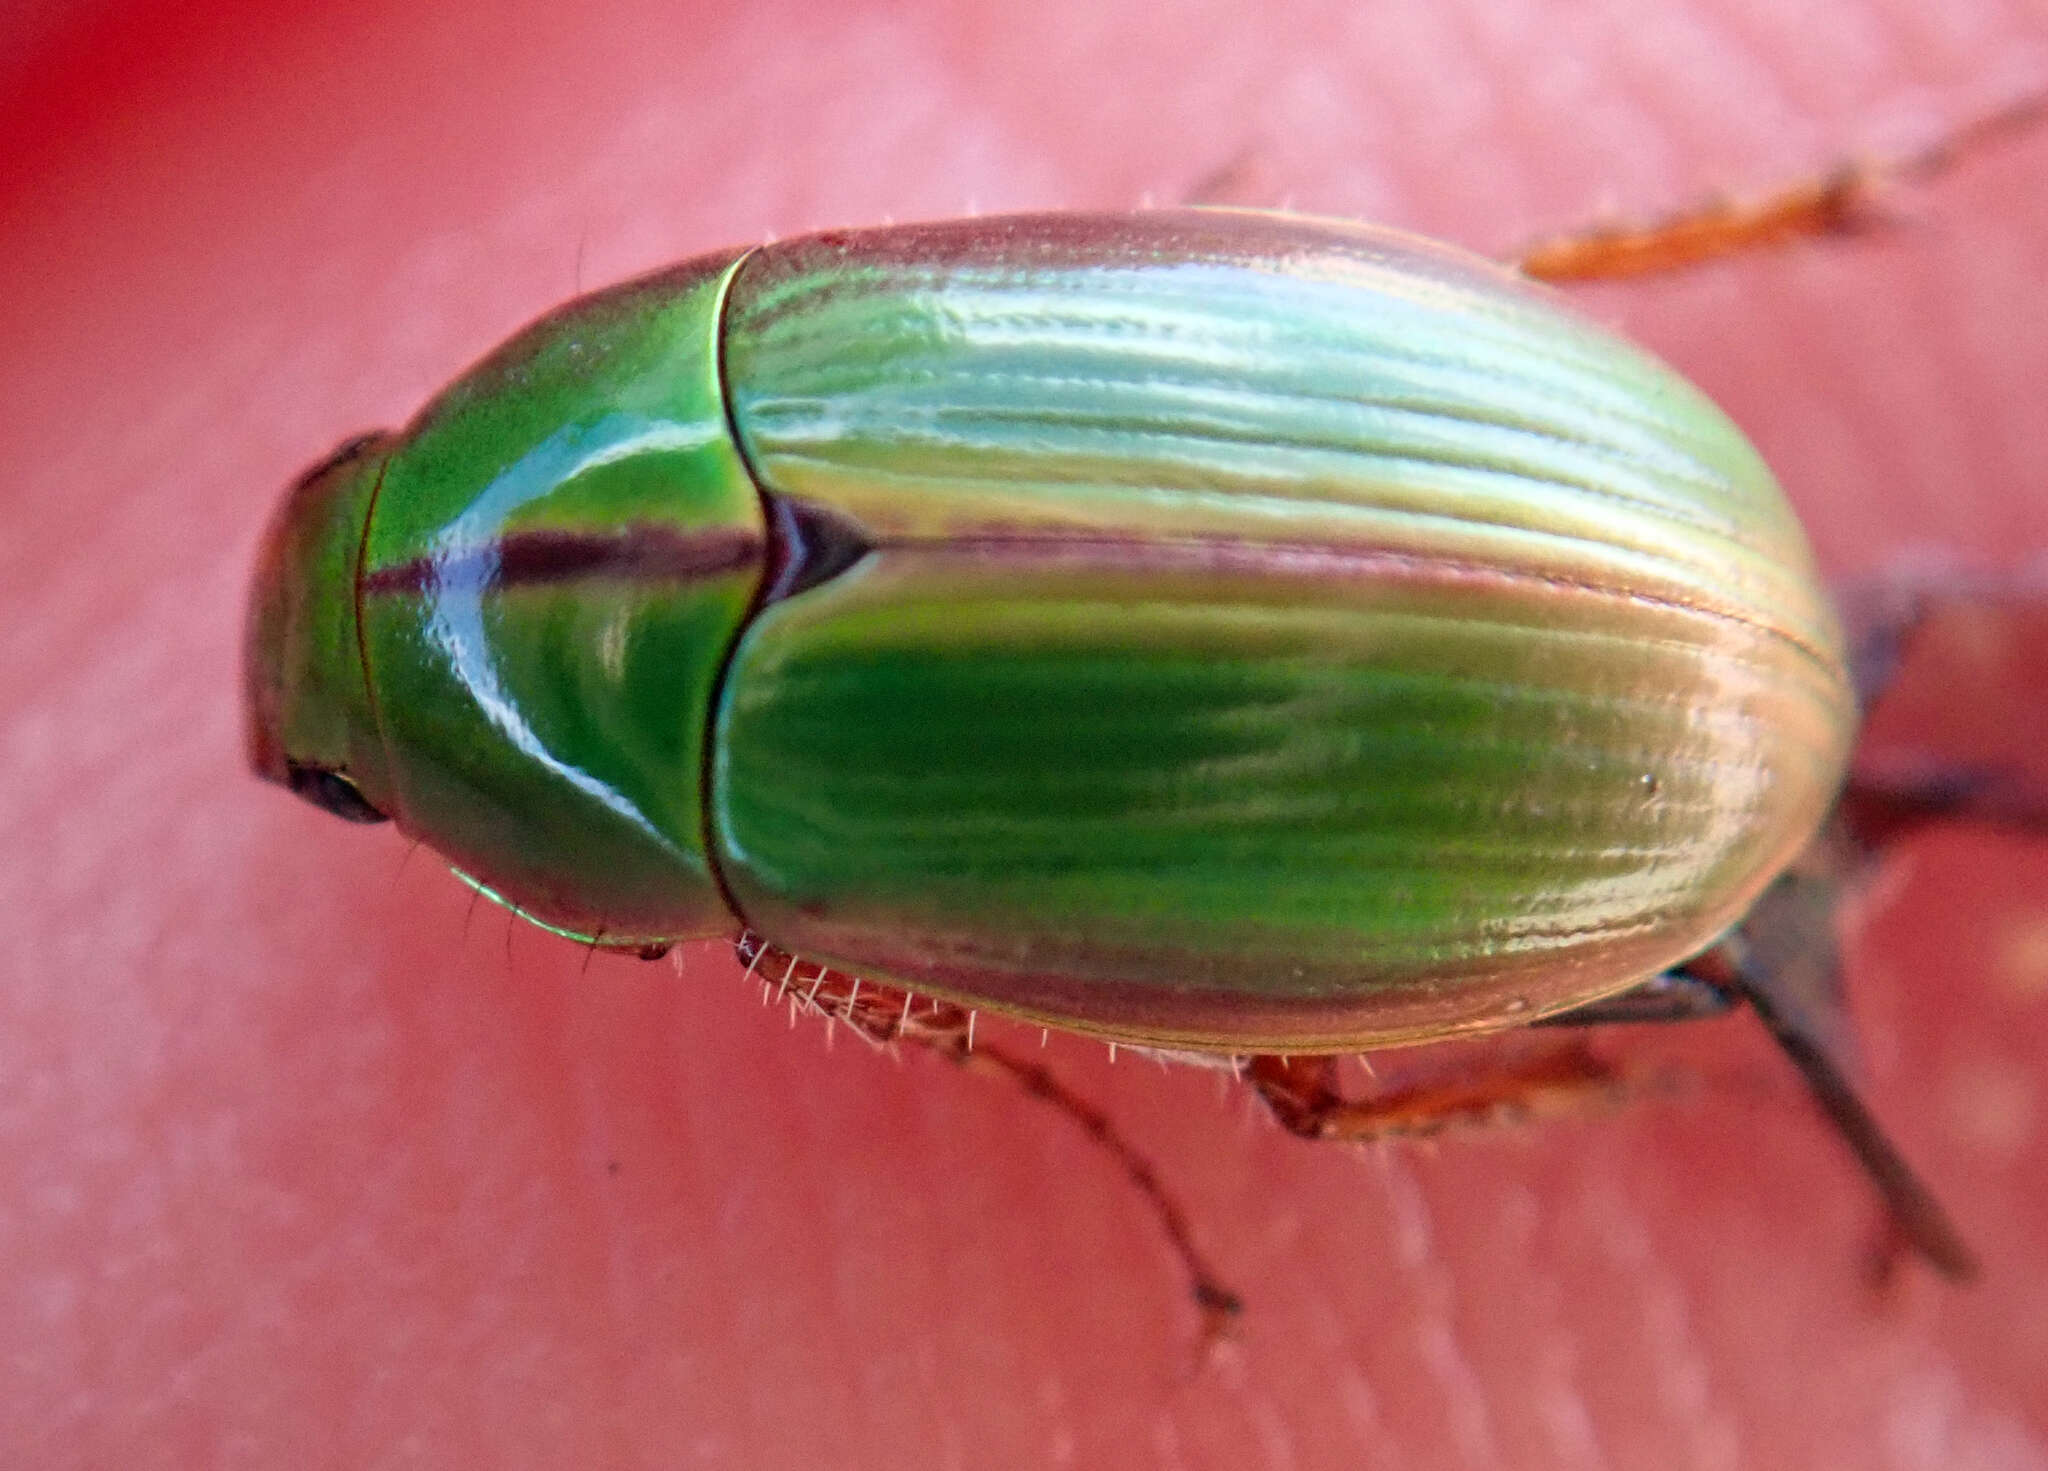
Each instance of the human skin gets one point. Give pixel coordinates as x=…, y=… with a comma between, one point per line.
x=307, y=1163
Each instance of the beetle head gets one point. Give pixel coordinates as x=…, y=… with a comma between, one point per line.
x=311, y=725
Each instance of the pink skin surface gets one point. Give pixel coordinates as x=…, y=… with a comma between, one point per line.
x=306, y=1165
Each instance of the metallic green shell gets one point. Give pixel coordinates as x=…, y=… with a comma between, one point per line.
x=1232, y=630
x=1277, y=634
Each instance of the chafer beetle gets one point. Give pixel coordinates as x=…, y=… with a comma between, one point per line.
x=1217, y=631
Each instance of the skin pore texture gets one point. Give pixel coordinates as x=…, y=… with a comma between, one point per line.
x=312, y=1164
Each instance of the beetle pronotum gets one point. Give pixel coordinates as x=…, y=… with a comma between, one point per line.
x=1217, y=631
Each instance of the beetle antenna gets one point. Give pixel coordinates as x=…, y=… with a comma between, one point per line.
x=1783, y=963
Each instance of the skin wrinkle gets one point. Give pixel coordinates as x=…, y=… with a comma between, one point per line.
x=1435, y=1330
x=1678, y=1363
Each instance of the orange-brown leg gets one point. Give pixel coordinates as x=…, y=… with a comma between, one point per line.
x=1839, y=201
x=1303, y=1095
x=883, y=1014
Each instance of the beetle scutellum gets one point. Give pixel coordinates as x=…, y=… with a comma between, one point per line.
x=1213, y=630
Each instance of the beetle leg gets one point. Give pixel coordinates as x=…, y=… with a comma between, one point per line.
x=1303, y=1095
x=1674, y=996
x=1839, y=201
x=1878, y=807
x=1219, y=1306
x=1885, y=614
x=1882, y=617
x=882, y=1014
x=1885, y=617
x=1783, y=962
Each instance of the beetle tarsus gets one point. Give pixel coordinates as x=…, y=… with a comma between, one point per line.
x=1783, y=963
x=1915, y=1217
x=1219, y=1305
x=883, y=1014
x=1841, y=200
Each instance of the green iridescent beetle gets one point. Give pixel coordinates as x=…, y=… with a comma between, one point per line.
x=1212, y=630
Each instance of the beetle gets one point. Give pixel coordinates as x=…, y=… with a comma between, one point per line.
x=1212, y=630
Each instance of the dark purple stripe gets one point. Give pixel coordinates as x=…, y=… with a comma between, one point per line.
x=533, y=558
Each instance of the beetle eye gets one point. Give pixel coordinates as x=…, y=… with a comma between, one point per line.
x=331, y=792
